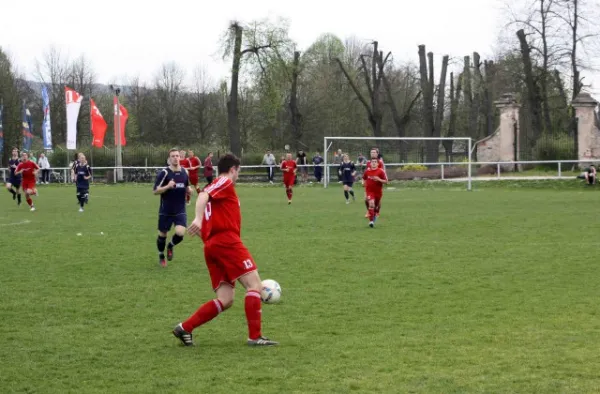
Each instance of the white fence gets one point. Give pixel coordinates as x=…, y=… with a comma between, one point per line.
x=258, y=173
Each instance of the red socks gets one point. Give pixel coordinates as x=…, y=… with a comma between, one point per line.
x=204, y=314
x=29, y=201
x=198, y=190
x=371, y=214
x=288, y=192
x=253, y=314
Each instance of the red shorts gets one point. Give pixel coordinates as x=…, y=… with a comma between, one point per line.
x=194, y=179
x=226, y=262
x=28, y=184
x=289, y=182
x=374, y=196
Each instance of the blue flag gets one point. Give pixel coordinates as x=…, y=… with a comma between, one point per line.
x=1, y=132
x=27, y=129
x=46, y=124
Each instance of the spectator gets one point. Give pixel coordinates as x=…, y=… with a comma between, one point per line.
x=317, y=161
x=44, y=165
x=269, y=160
x=32, y=157
x=590, y=175
x=208, y=168
x=302, y=162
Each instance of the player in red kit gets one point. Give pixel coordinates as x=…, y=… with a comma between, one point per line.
x=374, y=154
x=289, y=166
x=28, y=170
x=218, y=221
x=195, y=165
x=185, y=163
x=374, y=178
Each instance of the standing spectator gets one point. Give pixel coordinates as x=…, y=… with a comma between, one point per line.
x=317, y=161
x=45, y=166
x=269, y=160
x=302, y=162
x=208, y=168
x=32, y=157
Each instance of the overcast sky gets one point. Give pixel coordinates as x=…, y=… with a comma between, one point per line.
x=125, y=38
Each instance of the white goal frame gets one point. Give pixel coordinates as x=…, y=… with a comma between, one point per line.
x=326, y=146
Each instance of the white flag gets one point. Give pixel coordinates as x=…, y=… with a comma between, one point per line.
x=73, y=103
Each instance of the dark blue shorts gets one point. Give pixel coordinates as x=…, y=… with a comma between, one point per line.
x=15, y=181
x=82, y=191
x=165, y=222
x=349, y=184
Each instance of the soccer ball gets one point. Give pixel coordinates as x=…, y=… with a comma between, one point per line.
x=270, y=292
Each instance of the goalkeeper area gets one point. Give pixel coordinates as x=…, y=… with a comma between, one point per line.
x=490, y=291
x=405, y=158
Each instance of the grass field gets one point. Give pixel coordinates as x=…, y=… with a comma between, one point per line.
x=495, y=290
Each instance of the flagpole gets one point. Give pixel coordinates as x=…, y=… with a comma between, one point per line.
x=91, y=138
x=118, y=161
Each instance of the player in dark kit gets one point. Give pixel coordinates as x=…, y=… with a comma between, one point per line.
x=172, y=184
x=14, y=181
x=347, y=172
x=218, y=221
x=83, y=173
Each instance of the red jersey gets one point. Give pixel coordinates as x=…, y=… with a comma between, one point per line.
x=222, y=215
x=28, y=168
x=208, y=168
x=194, y=162
x=185, y=163
x=372, y=186
x=291, y=164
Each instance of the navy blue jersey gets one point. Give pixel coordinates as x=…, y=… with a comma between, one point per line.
x=81, y=171
x=172, y=201
x=317, y=160
x=346, y=170
x=12, y=164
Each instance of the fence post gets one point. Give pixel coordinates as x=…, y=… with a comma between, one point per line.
x=498, y=170
x=559, y=169
x=442, y=170
x=65, y=175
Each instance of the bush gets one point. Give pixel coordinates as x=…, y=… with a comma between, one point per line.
x=414, y=167
x=559, y=147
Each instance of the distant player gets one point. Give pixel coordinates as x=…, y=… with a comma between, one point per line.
x=302, y=162
x=83, y=173
x=208, y=168
x=185, y=163
x=374, y=178
x=172, y=185
x=289, y=167
x=218, y=221
x=28, y=170
x=347, y=172
x=374, y=154
x=195, y=165
x=14, y=181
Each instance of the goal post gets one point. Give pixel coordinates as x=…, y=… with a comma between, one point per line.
x=398, y=152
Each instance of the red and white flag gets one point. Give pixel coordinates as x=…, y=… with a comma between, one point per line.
x=123, y=115
x=73, y=104
x=98, y=125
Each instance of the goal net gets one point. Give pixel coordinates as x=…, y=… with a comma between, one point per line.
x=406, y=158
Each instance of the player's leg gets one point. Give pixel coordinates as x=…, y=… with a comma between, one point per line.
x=377, y=206
x=11, y=190
x=288, y=190
x=371, y=201
x=346, y=194
x=80, y=199
x=164, y=225
x=180, y=227
x=351, y=191
x=253, y=306
x=17, y=188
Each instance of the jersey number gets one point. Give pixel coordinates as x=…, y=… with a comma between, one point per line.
x=208, y=211
x=248, y=264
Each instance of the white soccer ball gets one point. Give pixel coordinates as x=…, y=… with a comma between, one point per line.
x=270, y=292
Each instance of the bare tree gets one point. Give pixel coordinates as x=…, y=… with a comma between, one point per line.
x=202, y=104
x=168, y=87
x=296, y=116
x=454, y=101
x=533, y=95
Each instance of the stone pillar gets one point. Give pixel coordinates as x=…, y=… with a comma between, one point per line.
x=503, y=145
x=588, y=135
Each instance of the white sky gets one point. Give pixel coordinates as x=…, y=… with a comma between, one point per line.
x=124, y=38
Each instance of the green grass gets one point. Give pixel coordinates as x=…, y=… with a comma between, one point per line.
x=490, y=291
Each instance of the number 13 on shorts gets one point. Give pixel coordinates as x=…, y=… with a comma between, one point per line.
x=248, y=264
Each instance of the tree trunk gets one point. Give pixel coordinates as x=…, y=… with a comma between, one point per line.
x=454, y=100
x=533, y=96
x=296, y=117
x=427, y=90
x=233, y=122
x=488, y=95
x=476, y=103
x=468, y=94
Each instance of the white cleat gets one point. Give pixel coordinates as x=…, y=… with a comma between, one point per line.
x=80, y=209
x=371, y=224
x=347, y=202
x=32, y=209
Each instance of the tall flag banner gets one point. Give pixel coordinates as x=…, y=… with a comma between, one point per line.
x=1, y=131
x=27, y=129
x=123, y=115
x=98, y=125
x=73, y=104
x=46, y=124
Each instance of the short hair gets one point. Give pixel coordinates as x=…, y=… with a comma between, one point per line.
x=173, y=150
x=226, y=162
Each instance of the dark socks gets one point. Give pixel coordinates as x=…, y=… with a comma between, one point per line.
x=346, y=194
x=160, y=244
x=13, y=192
x=351, y=193
x=19, y=198
x=175, y=240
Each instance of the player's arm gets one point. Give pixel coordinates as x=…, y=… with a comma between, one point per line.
x=201, y=203
x=158, y=189
x=382, y=179
x=19, y=170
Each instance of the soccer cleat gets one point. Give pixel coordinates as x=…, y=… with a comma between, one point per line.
x=261, y=341
x=184, y=336
x=80, y=209
x=347, y=202
x=371, y=224
x=162, y=261
x=169, y=253
x=32, y=209
x=289, y=202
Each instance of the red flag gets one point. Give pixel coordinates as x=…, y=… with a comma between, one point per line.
x=123, y=115
x=98, y=125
